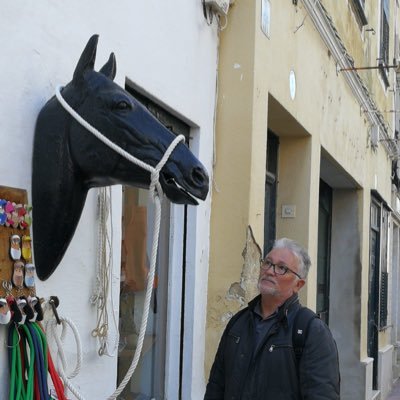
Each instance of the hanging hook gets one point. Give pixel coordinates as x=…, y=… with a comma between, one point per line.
x=54, y=302
x=23, y=303
x=35, y=303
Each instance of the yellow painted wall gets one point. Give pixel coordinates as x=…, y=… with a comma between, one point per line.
x=234, y=179
x=253, y=96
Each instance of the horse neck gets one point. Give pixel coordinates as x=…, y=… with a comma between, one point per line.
x=58, y=192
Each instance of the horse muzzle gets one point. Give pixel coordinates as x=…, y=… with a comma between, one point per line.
x=194, y=185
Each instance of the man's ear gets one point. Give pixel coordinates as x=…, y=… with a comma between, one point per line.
x=299, y=284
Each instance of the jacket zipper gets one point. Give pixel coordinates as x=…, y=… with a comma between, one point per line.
x=271, y=333
x=283, y=346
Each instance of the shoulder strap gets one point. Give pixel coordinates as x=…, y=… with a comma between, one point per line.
x=301, y=323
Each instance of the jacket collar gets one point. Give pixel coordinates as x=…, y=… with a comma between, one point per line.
x=283, y=310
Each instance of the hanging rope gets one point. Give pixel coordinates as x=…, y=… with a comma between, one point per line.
x=156, y=194
x=104, y=275
x=52, y=332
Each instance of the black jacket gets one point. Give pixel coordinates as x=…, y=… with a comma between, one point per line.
x=271, y=373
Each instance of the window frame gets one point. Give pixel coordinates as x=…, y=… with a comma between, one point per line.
x=358, y=7
x=176, y=254
x=384, y=41
x=381, y=228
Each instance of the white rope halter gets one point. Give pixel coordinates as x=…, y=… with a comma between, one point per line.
x=156, y=196
x=154, y=171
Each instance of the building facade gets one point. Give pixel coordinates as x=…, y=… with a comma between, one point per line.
x=167, y=55
x=306, y=148
x=304, y=145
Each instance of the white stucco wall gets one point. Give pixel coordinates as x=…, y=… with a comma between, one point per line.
x=167, y=49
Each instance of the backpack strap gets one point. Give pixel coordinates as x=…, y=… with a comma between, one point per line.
x=301, y=323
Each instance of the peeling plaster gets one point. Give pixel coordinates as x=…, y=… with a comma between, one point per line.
x=239, y=293
x=227, y=316
x=246, y=289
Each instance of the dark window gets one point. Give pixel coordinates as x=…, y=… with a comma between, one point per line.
x=270, y=191
x=138, y=215
x=384, y=42
x=373, y=288
x=378, y=278
x=384, y=269
x=383, y=310
x=358, y=7
x=324, y=250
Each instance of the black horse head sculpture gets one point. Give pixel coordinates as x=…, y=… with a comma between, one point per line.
x=68, y=160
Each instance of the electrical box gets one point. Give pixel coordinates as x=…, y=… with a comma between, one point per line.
x=219, y=6
x=288, y=211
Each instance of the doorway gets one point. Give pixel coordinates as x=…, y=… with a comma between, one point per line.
x=271, y=176
x=373, y=301
x=158, y=373
x=324, y=250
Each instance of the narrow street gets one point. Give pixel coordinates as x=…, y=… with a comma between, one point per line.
x=395, y=393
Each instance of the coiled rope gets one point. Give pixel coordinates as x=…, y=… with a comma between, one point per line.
x=51, y=330
x=156, y=194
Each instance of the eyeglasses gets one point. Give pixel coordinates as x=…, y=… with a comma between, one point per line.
x=278, y=269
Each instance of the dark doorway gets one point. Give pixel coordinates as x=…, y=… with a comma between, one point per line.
x=270, y=191
x=324, y=250
x=373, y=300
x=149, y=379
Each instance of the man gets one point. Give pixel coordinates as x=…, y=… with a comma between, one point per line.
x=256, y=359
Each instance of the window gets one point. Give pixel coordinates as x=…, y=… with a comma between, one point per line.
x=158, y=372
x=358, y=7
x=324, y=250
x=270, y=191
x=383, y=311
x=373, y=288
x=384, y=42
x=383, y=306
x=137, y=225
x=379, y=260
x=378, y=278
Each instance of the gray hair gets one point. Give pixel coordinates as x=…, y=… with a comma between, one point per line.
x=299, y=252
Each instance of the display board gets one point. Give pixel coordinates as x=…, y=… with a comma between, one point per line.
x=17, y=271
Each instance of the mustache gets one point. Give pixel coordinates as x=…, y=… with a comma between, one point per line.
x=265, y=278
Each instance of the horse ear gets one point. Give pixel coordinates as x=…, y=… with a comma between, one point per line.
x=109, y=69
x=87, y=59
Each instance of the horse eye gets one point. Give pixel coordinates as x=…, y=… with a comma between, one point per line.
x=123, y=105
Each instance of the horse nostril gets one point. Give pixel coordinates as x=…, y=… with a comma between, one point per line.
x=198, y=176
